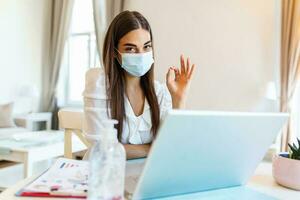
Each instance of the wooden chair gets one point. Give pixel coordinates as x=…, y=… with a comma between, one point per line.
x=71, y=121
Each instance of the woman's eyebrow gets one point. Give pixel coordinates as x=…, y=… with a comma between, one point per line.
x=133, y=45
x=130, y=44
x=147, y=42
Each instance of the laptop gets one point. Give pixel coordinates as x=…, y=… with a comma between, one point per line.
x=198, y=151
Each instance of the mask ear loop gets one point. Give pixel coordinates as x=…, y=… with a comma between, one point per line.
x=117, y=56
x=117, y=50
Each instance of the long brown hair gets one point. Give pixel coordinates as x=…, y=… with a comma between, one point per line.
x=123, y=23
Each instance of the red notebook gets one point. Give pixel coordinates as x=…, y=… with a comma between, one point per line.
x=66, y=178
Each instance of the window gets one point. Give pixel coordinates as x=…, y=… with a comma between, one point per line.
x=80, y=54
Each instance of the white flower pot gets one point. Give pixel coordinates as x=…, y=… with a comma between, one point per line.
x=286, y=171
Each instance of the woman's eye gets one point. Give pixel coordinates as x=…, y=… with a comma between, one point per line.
x=148, y=47
x=130, y=50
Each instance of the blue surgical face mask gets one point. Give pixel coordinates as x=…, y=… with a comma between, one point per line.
x=137, y=64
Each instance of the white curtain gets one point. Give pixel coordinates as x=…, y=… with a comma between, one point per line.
x=290, y=63
x=104, y=12
x=58, y=29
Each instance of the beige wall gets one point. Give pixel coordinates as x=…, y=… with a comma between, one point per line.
x=233, y=42
x=21, y=41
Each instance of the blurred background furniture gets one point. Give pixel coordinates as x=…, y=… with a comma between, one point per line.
x=20, y=109
x=29, y=120
x=71, y=121
x=31, y=147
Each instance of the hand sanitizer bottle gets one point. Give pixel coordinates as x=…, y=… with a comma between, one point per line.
x=107, y=165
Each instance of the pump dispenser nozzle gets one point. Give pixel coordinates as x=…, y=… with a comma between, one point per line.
x=109, y=131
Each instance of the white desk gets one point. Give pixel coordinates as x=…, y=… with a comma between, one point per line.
x=30, y=147
x=262, y=181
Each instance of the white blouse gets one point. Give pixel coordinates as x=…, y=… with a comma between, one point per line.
x=136, y=129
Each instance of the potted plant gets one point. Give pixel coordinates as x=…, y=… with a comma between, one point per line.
x=286, y=167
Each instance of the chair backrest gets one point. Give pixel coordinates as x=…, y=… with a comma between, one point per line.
x=71, y=120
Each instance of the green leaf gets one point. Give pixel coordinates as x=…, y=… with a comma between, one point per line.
x=295, y=146
x=292, y=148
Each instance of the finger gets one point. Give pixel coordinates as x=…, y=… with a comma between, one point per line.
x=169, y=75
x=176, y=70
x=188, y=64
x=182, y=64
x=191, y=72
x=177, y=73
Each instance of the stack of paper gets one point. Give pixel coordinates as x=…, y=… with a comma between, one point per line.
x=66, y=178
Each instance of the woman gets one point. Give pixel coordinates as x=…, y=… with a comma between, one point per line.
x=125, y=90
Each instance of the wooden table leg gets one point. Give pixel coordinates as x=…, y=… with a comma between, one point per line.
x=68, y=144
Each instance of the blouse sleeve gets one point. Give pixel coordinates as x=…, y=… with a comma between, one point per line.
x=94, y=97
x=164, y=99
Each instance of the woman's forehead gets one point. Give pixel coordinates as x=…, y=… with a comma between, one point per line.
x=138, y=37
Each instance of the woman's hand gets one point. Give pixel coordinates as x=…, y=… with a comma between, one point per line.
x=134, y=151
x=180, y=84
